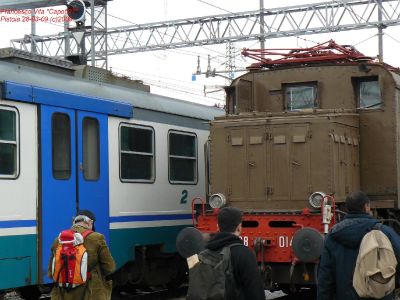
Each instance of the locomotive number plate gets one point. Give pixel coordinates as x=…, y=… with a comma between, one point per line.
x=285, y=241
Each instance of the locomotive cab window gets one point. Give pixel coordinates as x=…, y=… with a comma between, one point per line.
x=300, y=96
x=239, y=97
x=230, y=100
x=137, y=153
x=8, y=143
x=368, y=93
x=182, y=154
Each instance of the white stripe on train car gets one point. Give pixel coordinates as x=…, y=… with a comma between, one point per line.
x=17, y=231
x=146, y=224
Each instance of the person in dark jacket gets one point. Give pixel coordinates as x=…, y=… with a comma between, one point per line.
x=341, y=248
x=246, y=273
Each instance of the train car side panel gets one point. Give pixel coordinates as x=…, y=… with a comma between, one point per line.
x=151, y=208
x=18, y=183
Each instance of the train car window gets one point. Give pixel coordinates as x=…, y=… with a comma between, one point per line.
x=137, y=153
x=239, y=97
x=8, y=143
x=231, y=100
x=244, y=96
x=182, y=153
x=300, y=96
x=91, y=149
x=369, y=93
x=61, y=148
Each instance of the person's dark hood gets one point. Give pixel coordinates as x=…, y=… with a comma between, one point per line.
x=222, y=239
x=352, y=229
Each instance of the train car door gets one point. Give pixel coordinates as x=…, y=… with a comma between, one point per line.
x=74, y=172
x=256, y=164
x=92, y=136
x=58, y=177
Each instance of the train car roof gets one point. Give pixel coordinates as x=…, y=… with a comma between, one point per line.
x=58, y=75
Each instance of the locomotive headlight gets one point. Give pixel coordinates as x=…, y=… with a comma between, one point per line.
x=217, y=200
x=316, y=199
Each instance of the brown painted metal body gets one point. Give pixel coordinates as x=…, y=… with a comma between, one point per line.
x=292, y=131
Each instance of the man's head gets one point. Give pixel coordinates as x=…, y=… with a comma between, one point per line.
x=85, y=217
x=358, y=202
x=230, y=220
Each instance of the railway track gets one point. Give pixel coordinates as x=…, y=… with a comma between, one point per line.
x=165, y=294
x=150, y=294
x=180, y=295
x=160, y=294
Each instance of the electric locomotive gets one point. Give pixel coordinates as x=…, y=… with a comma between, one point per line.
x=78, y=137
x=300, y=132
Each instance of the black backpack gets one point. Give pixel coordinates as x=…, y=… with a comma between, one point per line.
x=212, y=277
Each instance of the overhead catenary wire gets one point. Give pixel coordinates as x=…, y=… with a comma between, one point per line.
x=394, y=39
x=208, y=49
x=243, y=60
x=200, y=95
x=152, y=80
x=236, y=53
x=362, y=18
x=133, y=23
x=297, y=37
x=180, y=51
x=186, y=52
x=194, y=54
x=364, y=40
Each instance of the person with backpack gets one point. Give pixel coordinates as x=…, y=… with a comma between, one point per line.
x=226, y=269
x=80, y=261
x=346, y=270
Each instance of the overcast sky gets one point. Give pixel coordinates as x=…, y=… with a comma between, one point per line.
x=170, y=72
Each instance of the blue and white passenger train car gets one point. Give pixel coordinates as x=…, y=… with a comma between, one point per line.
x=74, y=137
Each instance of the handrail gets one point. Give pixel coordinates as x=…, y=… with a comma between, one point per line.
x=203, y=207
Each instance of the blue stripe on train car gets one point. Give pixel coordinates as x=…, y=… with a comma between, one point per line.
x=18, y=223
x=27, y=93
x=18, y=265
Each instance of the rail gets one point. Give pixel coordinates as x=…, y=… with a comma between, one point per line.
x=203, y=208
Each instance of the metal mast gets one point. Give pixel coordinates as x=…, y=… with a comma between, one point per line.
x=98, y=33
x=333, y=16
